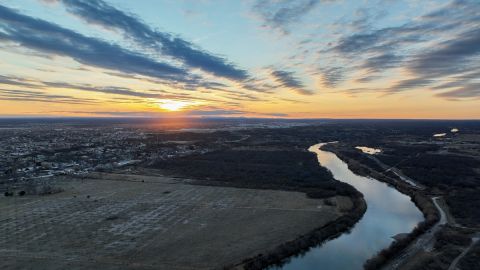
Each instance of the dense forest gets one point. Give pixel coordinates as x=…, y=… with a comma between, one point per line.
x=287, y=170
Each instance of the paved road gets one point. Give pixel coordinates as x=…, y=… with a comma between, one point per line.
x=423, y=242
x=397, y=172
x=454, y=263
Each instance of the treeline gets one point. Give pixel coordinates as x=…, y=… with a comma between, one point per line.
x=465, y=205
x=442, y=170
x=286, y=170
x=305, y=242
x=451, y=174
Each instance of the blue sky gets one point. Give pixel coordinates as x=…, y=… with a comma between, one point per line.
x=266, y=58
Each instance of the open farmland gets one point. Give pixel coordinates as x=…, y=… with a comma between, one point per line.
x=109, y=221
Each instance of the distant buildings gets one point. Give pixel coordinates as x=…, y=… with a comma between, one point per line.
x=43, y=151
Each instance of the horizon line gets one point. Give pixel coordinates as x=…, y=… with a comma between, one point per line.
x=226, y=117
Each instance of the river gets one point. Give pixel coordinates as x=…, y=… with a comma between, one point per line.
x=389, y=213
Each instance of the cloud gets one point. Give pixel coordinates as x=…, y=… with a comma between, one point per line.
x=441, y=45
x=449, y=57
x=410, y=84
x=279, y=14
x=114, y=90
x=215, y=112
x=332, y=76
x=381, y=62
x=460, y=85
x=287, y=79
x=294, y=101
x=50, y=38
x=153, y=94
x=368, y=78
x=195, y=113
x=208, y=112
x=15, y=81
x=464, y=92
x=229, y=99
x=116, y=113
x=363, y=19
x=100, y=13
x=25, y=95
x=384, y=41
x=276, y=114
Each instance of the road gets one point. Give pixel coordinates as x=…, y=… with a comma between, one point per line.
x=453, y=265
x=397, y=172
x=427, y=240
x=423, y=242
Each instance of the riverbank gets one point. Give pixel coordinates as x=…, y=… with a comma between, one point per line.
x=389, y=213
x=274, y=167
x=422, y=200
x=280, y=254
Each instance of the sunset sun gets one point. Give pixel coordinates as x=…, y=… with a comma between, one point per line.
x=172, y=105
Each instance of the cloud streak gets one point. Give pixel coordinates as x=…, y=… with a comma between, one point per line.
x=439, y=46
x=466, y=91
x=212, y=112
x=128, y=95
x=52, y=39
x=26, y=95
x=287, y=79
x=15, y=81
x=112, y=90
x=100, y=13
x=279, y=14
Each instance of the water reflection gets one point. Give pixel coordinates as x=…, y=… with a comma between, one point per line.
x=368, y=150
x=389, y=213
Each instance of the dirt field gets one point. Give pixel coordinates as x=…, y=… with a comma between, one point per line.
x=137, y=222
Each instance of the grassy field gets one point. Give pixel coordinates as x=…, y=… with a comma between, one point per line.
x=112, y=221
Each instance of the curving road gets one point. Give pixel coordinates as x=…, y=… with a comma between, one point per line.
x=453, y=265
x=423, y=242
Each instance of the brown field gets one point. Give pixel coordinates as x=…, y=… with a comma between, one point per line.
x=134, y=222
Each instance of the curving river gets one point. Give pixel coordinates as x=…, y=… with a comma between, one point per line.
x=389, y=213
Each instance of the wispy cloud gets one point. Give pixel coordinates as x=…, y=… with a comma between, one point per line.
x=449, y=57
x=438, y=46
x=113, y=90
x=213, y=112
x=332, y=75
x=26, y=95
x=279, y=14
x=100, y=13
x=410, y=84
x=381, y=62
x=465, y=91
x=117, y=94
x=287, y=79
x=10, y=80
x=50, y=38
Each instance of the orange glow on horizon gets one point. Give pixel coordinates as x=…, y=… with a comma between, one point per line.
x=173, y=105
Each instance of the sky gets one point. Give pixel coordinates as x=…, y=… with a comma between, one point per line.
x=252, y=58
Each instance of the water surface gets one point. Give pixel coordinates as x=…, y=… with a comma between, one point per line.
x=389, y=213
x=369, y=150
